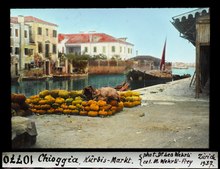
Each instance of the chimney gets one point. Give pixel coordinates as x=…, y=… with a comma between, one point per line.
x=20, y=19
x=123, y=39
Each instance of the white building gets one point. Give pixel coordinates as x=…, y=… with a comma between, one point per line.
x=95, y=44
x=32, y=38
x=19, y=40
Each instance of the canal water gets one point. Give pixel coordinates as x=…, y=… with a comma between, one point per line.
x=29, y=88
x=189, y=70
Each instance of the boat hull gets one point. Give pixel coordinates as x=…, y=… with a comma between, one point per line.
x=138, y=79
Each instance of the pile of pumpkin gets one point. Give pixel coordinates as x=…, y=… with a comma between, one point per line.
x=74, y=103
x=130, y=98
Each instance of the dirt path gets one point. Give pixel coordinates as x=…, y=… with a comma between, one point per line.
x=166, y=119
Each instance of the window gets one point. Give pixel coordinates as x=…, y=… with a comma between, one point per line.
x=11, y=50
x=10, y=31
x=16, y=32
x=124, y=50
x=95, y=49
x=39, y=31
x=30, y=51
x=113, y=48
x=46, y=32
x=26, y=51
x=16, y=50
x=120, y=49
x=54, y=49
x=103, y=49
x=130, y=50
x=25, y=33
x=86, y=49
x=54, y=33
x=40, y=48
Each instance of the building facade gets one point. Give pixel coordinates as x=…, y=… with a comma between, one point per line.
x=95, y=44
x=31, y=37
x=20, y=42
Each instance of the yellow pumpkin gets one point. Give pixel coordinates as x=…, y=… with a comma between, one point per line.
x=75, y=111
x=59, y=100
x=67, y=111
x=43, y=93
x=84, y=103
x=50, y=111
x=63, y=94
x=72, y=107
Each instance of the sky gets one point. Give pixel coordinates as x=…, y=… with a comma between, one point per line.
x=145, y=28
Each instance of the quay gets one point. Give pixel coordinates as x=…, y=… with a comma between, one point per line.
x=170, y=117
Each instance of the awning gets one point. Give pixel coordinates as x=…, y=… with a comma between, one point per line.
x=186, y=23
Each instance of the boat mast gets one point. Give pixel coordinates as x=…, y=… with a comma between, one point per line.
x=162, y=62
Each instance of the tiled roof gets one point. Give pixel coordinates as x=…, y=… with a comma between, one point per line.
x=31, y=19
x=89, y=37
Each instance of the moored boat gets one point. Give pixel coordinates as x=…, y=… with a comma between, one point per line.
x=30, y=78
x=14, y=79
x=139, y=79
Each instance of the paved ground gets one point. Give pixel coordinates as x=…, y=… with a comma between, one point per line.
x=169, y=117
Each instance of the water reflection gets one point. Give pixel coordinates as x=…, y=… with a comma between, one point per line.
x=30, y=88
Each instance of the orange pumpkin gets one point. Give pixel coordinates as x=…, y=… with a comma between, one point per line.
x=101, y=103
x=94, y=107
x=87, y=108
x=83, y=113
x=91, y=102
x=113, y=102
x=103, y=113
x=109, y=113
x=93, y=113
x=107, y=107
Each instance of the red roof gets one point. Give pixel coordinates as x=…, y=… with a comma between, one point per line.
x=31, y=19
x=89, y=37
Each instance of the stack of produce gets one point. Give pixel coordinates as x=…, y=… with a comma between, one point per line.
x=19, y=107
x=71, y=102
x=130, y=98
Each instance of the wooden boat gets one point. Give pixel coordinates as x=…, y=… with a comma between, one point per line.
x=61, y=76
x=30, y=78
x=14, y=79
x=139, y=79
x=68, y=76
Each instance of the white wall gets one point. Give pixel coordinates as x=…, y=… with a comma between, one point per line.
x=108, y=49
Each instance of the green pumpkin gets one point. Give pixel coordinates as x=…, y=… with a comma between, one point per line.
x=69, y=101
